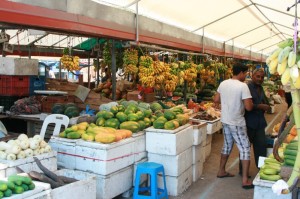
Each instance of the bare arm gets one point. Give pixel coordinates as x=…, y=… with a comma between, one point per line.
x=248, y=104
x=217, y=98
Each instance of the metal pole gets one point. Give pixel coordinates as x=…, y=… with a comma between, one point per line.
x=98, y=65
x=113, y=70
x=89, y=70
x=29, y=52
x=203, y=41
x=137, y=22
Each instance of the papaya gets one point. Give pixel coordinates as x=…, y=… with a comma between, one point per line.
x=114, y=109
x=142, y=125
x=112, y=122
x=121, y=116
x=169, y=125
x=159, y=124
x=169, y=115
x=88, y=137
x=74, y=135
x=100, y=121
x=130, y=125
x=125, y=132
x=133, y=117
x=105, y=138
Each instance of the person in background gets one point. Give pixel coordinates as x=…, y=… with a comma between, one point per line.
x=106, y=76
x=255, y=119
x=234, y=96
x=51, y=73
x=287, y=94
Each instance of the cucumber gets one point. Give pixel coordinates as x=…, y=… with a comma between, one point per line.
x=31, y=186
x=25, y=187
x=289, y=162
x=10, y=185
x=17, y=179
x=291, y=157
x=18, y=189
x=290, y=152
x=269, y=177
x=7, y=193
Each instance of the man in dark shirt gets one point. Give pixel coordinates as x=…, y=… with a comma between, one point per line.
x=255, y=119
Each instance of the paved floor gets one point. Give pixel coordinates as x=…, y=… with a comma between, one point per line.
x=211, y=187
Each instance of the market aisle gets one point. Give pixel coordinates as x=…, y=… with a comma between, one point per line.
x=211, y=187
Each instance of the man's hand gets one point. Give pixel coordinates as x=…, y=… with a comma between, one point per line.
x=264, y=107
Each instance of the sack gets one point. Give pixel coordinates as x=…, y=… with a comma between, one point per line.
x=28, y=105
x=277, y=99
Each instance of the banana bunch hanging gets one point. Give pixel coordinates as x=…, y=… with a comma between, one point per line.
x=146, y=71
x=130, y=61
x=285, y=61
x=69, y=62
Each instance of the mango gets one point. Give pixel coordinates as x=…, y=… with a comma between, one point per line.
x=74, y=127
x=81, y=127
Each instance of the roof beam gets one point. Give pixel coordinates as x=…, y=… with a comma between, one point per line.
x=256, y=6
x=222, y=17
x=267, y=47
x=247, y=32
x=262, y=40
x=41, y=37
x=132, y=3
x=60, y=41
x=274, y=10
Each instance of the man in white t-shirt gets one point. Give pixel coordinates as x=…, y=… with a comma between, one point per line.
x=234, y=96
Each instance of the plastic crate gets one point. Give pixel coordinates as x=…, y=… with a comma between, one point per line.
x=8, y=101
x=13, y=85
x=36, y=83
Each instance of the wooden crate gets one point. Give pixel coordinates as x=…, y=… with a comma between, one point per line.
x=48, y=101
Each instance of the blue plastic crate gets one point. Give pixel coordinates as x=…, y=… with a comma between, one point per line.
x=36, y=83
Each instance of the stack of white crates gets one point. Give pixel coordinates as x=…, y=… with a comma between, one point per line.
x=112, y=164
x=212, y=127
x=172, y=149
x=198, y=148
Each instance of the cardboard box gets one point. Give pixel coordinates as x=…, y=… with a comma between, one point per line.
x=133, y=95
x=149, y=97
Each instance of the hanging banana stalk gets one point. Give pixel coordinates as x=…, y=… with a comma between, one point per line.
x=296, y=110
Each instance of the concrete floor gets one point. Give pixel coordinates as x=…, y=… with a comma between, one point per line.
x=211, y=187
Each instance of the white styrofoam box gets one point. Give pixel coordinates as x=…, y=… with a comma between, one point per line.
x=208, y=139
x=200, y=132
x=49, y=163
x=49, y=160
x=66, y=154
x=169, y=143
x=198, y=153
x=197, y=170
x=18, y=66
x=177, y=184
x=174, y=165
x=139, y=146
x=114, y=184
x=213, y=127
x=104, y=159
x=263, y=189
x=85, y=187
x=143, y=178
x=207, y=149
